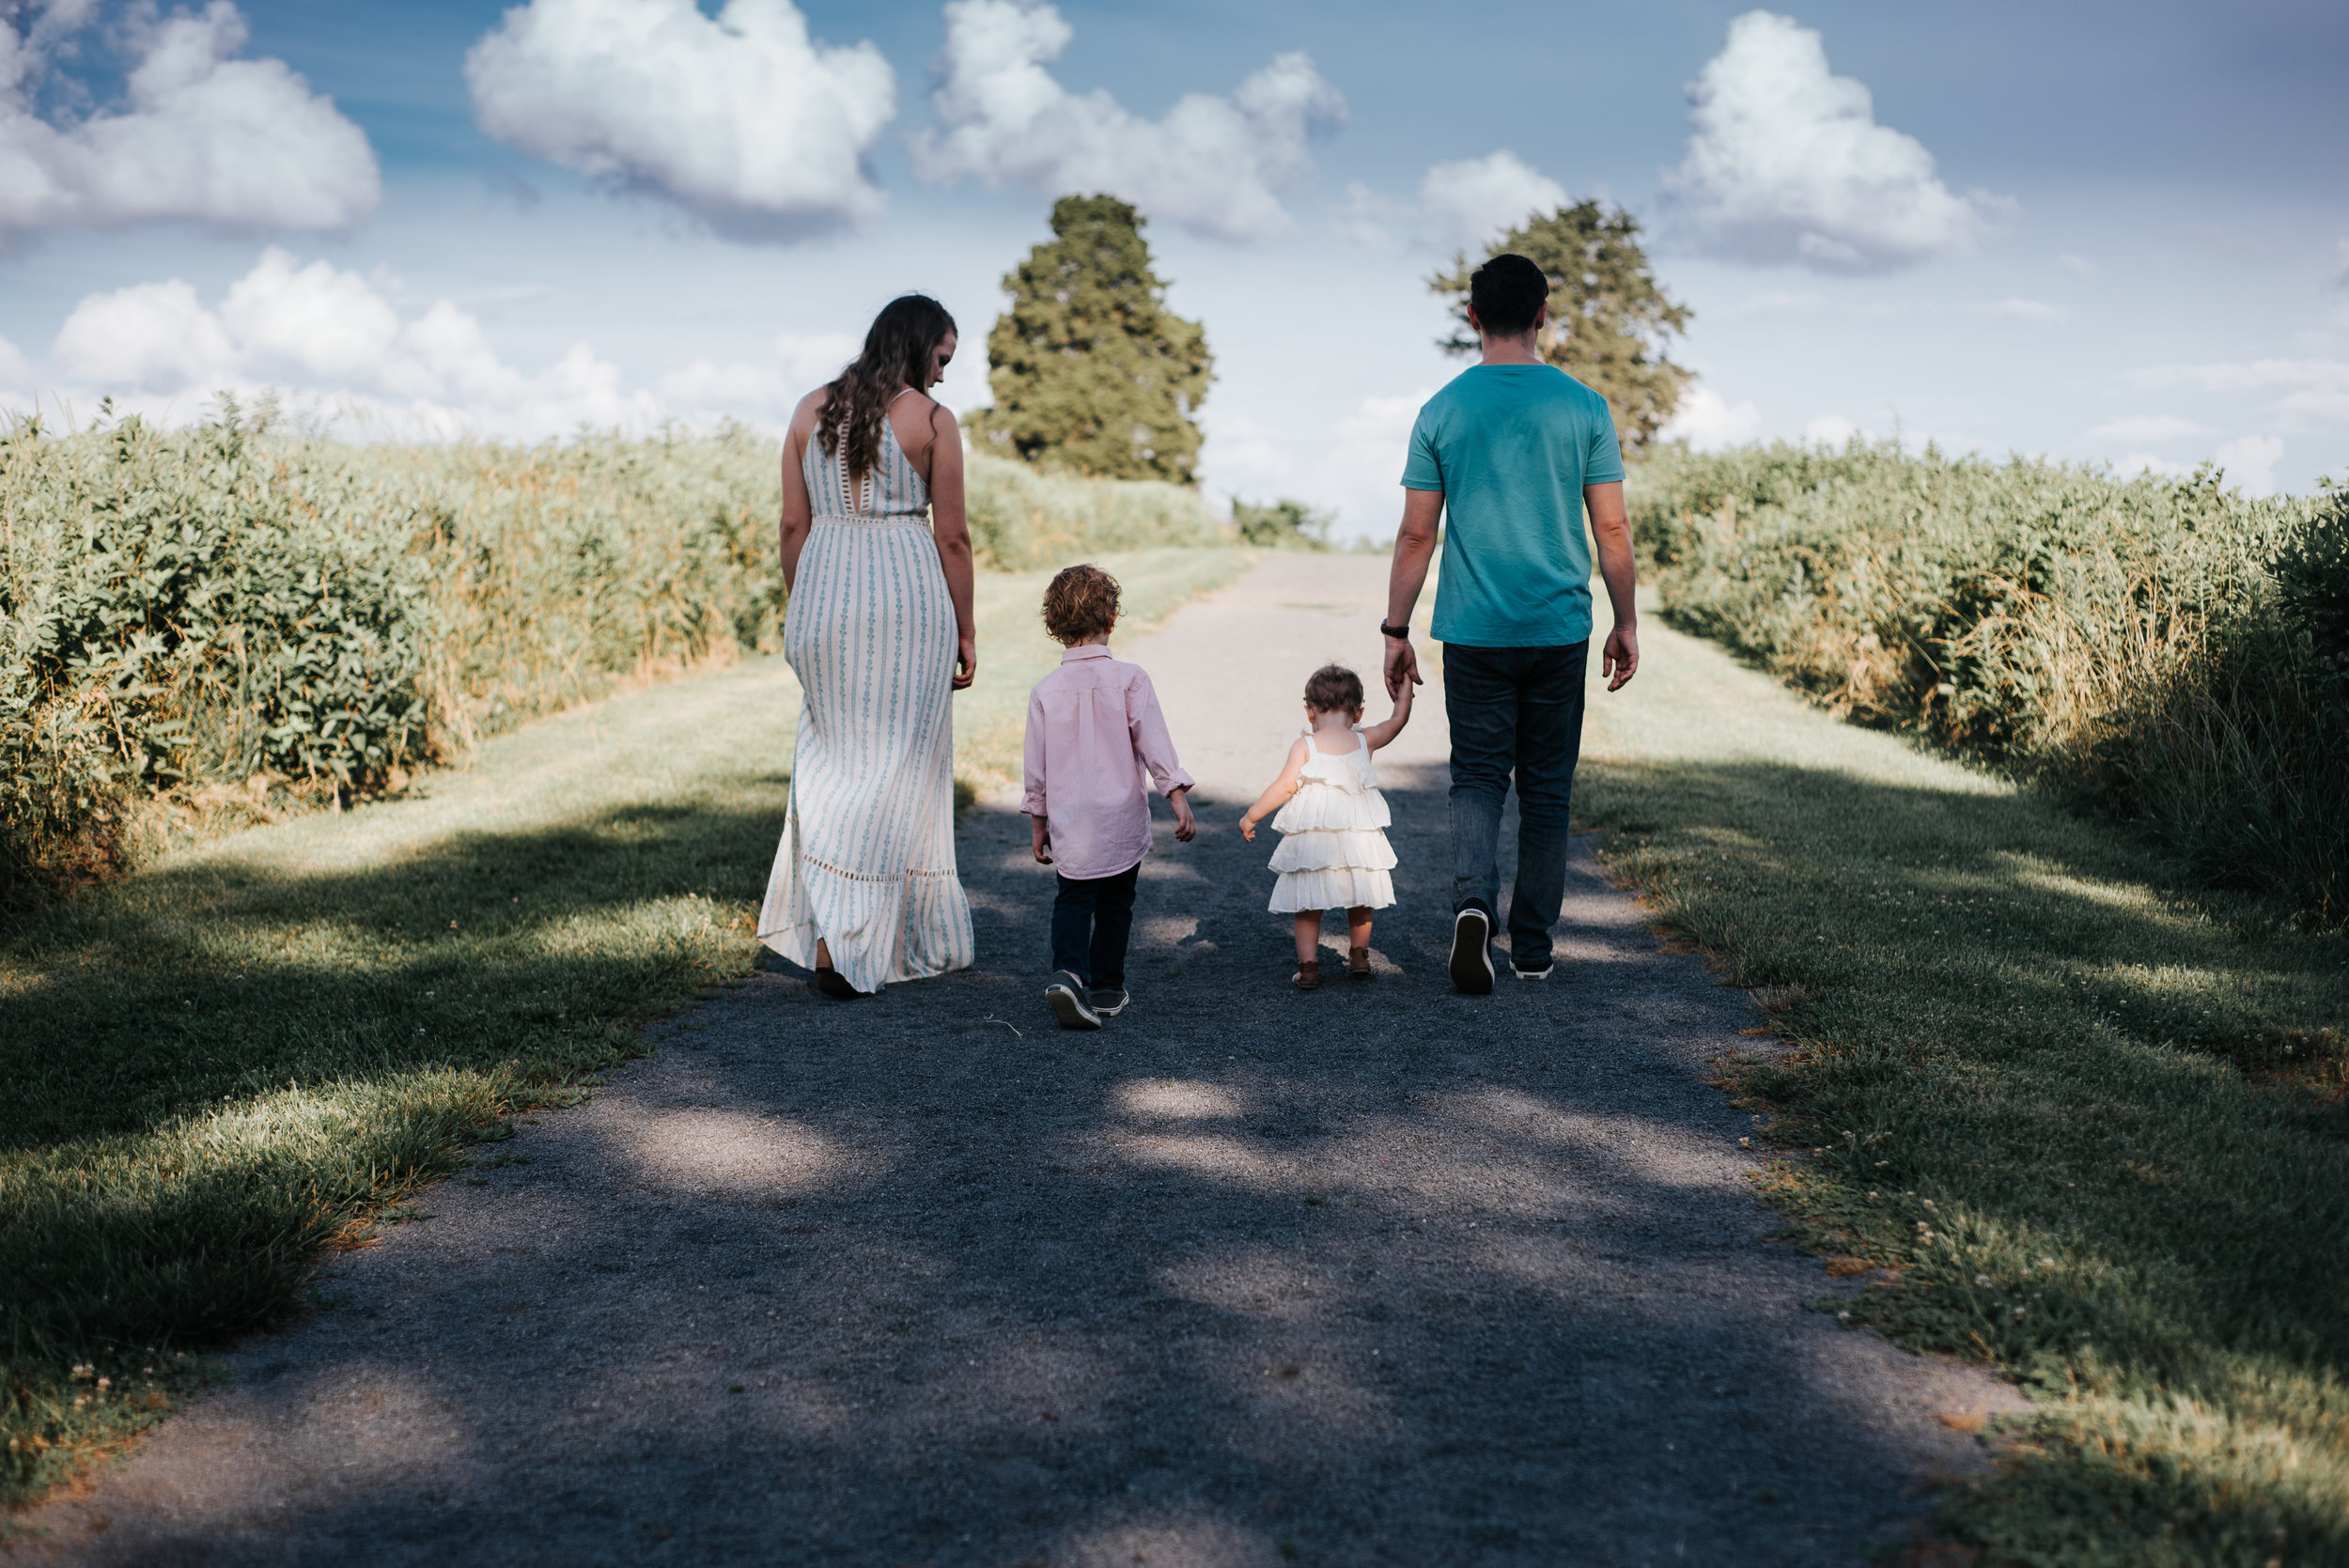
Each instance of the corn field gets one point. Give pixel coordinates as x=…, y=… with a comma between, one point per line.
x=2171, y=652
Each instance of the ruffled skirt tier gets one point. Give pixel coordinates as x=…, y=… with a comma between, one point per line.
x=1333, y=852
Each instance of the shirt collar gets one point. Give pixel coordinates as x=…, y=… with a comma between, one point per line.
x=1085, y=650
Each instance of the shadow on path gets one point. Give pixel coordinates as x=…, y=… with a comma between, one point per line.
x=1377, y=1275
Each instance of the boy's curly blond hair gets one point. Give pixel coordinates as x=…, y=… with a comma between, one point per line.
x=1081, y=602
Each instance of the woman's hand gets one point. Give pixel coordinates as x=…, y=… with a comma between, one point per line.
x=965, y=660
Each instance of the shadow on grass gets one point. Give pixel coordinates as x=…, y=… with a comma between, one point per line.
x=2036, y=1088
x=215, y=1068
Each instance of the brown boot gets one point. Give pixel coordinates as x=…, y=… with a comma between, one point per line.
x=1358, y=962
x=1308, y=975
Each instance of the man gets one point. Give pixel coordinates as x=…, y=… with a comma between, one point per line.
x=1510, y=455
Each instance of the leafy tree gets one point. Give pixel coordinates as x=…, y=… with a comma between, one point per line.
x=1284, y=525
x=1609, y=317
x=1092, y=373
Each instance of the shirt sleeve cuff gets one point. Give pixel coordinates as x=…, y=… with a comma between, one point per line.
x=1175, y=780
x=1031, y=804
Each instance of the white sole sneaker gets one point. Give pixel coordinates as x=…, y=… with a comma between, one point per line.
x=1070, y=1004
x=1542, y=973
x=1472, y=952
x=1110, y=1003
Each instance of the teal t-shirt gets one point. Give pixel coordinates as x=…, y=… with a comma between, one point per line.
x=1511, y=447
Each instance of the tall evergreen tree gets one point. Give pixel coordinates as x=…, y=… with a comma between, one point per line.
x=1609, y=317
x=1092, y=373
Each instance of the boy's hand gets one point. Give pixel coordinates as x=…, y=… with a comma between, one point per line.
x=1186, y=825
x=1040, y=840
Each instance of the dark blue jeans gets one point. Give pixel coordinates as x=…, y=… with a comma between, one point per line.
x=1091, y=921
x=1513, y=711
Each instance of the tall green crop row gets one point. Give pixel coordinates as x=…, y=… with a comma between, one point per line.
x=221, y=613
x=219, y=607
x=2160, y=648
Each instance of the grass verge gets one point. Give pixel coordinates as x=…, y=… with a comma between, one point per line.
x=2083, y=1131
x=223, y=1064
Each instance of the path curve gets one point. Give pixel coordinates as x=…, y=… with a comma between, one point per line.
x=1380, y=1275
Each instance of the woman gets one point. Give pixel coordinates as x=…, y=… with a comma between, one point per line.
x=876, y=555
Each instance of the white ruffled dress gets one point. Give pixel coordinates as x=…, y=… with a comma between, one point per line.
x=1333, y=852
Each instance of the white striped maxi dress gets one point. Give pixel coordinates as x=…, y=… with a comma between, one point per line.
x=867, y=858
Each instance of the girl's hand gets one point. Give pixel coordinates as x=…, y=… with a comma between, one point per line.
x=1248, y=829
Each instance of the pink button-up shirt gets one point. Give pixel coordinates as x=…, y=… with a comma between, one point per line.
x=1094, y=727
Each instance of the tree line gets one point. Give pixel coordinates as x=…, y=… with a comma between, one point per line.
x=1094, y=375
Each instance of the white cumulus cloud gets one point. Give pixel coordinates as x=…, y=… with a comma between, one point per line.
x=1828, y=430
x=2251, y=462
x=1788, y=163
x=333, y=334
x=1212, y=164
x=1709, y=422
x=203, y=136
x=1476, y=199
x=741, y=117
x=2146, y=462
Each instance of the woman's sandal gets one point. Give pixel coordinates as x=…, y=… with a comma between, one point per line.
x=1358, y=963
x=833, y=984
x=1308, y=975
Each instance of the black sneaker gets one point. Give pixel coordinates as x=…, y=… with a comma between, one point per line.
x=1472, y=952
x=1069, y=1002
x=1109, y=1000
x=1542, y=973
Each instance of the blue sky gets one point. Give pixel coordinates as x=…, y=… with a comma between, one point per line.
x=2100, y=232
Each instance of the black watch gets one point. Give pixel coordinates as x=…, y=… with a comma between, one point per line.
x=1402, y=631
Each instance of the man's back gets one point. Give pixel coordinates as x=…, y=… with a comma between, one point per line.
x=1511, y=447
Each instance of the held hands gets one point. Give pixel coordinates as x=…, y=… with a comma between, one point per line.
x=966, y=660
x=1402, y=667
x=1621, y=658
x=1186, y=825
x=1040, y=840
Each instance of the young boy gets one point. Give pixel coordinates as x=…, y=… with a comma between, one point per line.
x=1093, y=728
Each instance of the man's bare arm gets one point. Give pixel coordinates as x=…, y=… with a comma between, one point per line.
x=1611, y=526
x=1414, y=552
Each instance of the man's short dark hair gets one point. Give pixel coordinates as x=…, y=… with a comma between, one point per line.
x=1507, y=292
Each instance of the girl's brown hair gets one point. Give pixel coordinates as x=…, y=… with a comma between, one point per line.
x=897, y=351
x=1335, y=688
x=1081, y=602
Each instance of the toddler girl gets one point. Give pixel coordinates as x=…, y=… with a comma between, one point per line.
x=1333, y=852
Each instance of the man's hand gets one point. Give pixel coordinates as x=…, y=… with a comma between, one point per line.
x=1621, y=659
x=1402, y=667
x=1040, y=840
x=1186, y=825
x=966, y=660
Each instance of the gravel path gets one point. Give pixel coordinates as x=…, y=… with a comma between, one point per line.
x=1380, y=1275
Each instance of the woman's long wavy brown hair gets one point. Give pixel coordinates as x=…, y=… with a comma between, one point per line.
x=896, y=353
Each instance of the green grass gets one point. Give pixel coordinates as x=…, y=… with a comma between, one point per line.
x=2092, y=1133
x=221, y=1064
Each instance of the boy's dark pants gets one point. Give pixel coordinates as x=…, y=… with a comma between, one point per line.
x=1514, y=710
x=1091, y=921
